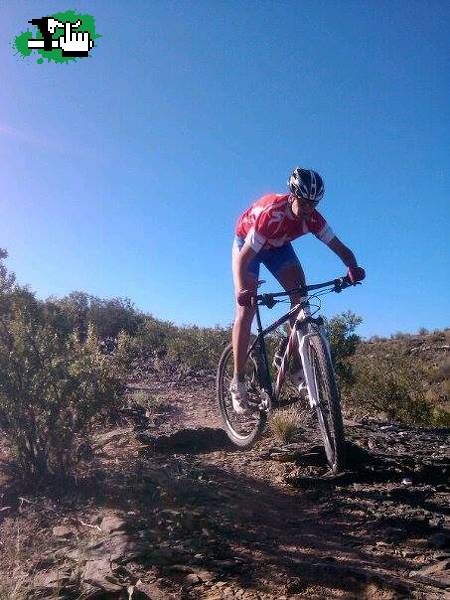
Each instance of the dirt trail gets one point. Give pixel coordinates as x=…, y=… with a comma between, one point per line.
x=170, y=508
x=271, y=524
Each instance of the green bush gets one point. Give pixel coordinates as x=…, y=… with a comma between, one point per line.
x=404, y=378
x=196, y=347
x=109, y=316
x=397, y=394
x=189, y=347
x=343, y=342
x=52, y=386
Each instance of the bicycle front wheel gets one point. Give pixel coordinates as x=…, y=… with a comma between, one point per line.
x=243, y=430
x=328, y=409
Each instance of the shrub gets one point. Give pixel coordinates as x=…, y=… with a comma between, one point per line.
x=52, y=386
x=189, y=347
x=343, y=342
x=197, y=348
x=109, y=316
x=391, y=385
x=405, y=378
x=149, y=402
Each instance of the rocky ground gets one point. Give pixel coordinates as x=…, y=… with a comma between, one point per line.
x=169, y=510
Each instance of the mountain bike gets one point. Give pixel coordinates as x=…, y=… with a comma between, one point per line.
x=309, y=343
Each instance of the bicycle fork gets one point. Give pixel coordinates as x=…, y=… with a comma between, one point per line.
x=311, y=383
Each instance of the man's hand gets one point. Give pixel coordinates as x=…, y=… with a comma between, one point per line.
x=246, y=298
x=356, y=274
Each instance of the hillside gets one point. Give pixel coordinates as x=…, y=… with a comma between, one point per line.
x=405, y=377
x=118, y=482
x=167, y=510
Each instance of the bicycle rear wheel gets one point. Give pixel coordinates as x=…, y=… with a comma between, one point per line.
x=243, y=430
x=328, y=409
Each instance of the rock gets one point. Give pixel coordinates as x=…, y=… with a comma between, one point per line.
x=296, y=585
x=120, y=547
x=112, y=523
x=62, y=531
x=437, y=574
x=98, y=573
x=73, y=554
x=206, y=576
x=284, y=457
x=193, y=579
x=50, y=580
x=181, y=569
x=409, y=553
x=111, y=436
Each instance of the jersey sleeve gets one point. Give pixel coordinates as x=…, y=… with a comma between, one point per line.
x=320, y=228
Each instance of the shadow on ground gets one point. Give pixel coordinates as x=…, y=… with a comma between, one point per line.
x=189, y=441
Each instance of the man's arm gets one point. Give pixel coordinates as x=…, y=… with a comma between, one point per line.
x=355, y=273
x=344, y=253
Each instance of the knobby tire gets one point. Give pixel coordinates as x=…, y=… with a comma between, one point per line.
x=243, y=431
x=328, y=412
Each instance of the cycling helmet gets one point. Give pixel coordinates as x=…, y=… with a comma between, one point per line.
x=305, y=183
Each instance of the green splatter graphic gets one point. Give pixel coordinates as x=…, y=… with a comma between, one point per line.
x=55, y=55
x=21, y=43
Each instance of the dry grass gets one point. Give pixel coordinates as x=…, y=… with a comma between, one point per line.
x=285, y=424
x=150, y=402
x=18, y=562
x=29, y=556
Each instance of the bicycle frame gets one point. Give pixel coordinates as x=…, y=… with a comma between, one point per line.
x=304, y=328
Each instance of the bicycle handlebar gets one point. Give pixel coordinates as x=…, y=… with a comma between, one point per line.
x=338, y=284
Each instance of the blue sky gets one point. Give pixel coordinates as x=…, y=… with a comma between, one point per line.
x=123, y=174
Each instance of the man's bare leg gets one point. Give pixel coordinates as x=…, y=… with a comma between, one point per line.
x=243, y=322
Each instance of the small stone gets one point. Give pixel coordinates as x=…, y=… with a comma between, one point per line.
x=406, y=481
x=49, y=580
x=206, y=575
x=112, y=523
x=98, y=573
x=408, y=553
x=61, y=531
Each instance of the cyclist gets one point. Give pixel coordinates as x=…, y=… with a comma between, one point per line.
x=263, y=236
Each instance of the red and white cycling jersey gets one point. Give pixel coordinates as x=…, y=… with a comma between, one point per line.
x=270, y=223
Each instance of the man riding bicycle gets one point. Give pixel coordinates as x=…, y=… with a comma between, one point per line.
x=263, y=236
